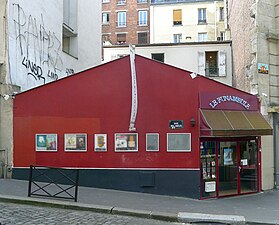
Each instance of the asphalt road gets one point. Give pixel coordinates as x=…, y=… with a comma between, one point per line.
x=15, y=214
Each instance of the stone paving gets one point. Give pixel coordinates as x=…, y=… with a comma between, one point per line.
x=16, y=214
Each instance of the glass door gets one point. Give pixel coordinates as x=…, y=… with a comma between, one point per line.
x=228, y=169
x=248, y=167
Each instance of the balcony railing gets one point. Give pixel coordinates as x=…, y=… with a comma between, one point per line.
x=178, y=1
x=212, y=71
x=121, y=24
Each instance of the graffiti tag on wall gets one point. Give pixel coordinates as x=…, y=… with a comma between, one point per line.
x=38, y=47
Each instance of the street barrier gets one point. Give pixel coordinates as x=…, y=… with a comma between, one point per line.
x=53, y=182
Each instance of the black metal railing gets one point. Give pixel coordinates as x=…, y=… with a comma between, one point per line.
x=212, y=71
x=53, y=182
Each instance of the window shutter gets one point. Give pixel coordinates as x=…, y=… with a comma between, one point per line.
x=222, y=63
x=201, y=63
x=177, y=15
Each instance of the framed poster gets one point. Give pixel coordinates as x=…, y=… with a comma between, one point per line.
x=126, y=142
x=228, y=159
x=75, y=142
x=178, y=142
x=152, y=142
x=46, y=142
x=100, y=142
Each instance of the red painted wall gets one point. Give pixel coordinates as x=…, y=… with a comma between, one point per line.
x=98, y=100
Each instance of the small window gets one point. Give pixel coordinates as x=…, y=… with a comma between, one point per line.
x=69, y=28
x=121, y=38
x=126, y=142
x=105, y=18
x=202, y=16
x=142, y=38
x=222, y=36
x=121, y=2
x=177, y=38
x=177, y=17
x=221, y=15
x=202, y=36
x=142, y=1
x=121, y=19
x=152, y=142
x=179, y=142
x=211, y=64
x=158, y=56
x=142, y=17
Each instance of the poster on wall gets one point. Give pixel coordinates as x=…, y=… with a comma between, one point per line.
x=46, y=142
x=228, y=160
x=126, y=142
x=262, y=68
x=75, y=142
x=210, y=186
x=100, y=142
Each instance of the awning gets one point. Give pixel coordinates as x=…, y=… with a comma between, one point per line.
x=221, y=123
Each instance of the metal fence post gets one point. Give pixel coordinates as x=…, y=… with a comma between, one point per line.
x=76, y=188
x=30, y=180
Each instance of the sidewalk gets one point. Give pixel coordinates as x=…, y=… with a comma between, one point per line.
x=260, y=208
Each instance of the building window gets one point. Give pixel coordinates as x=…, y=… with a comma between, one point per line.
x=69, y=31
x=142, y=17
x=212, y=64
x=179, y=142
x=105, y=18
x=202, y=36
x=221, y=15
x=202, y=16
x=121, y=19
x=177, y=17
x=142, y=1
x=152, y=142
x=105, y=1
x=106, y=39
x=158, y=56
x=142, y=38
x=121, y=38
x=177, y=38
x=121, y=2
x=222, y=36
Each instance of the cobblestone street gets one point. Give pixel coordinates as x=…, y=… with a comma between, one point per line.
x=13, y=214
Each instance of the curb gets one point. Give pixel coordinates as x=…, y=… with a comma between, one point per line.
x=171, y=217
x=200, y=217
x=163, y=216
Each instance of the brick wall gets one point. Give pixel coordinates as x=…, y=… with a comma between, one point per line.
x=131, y=7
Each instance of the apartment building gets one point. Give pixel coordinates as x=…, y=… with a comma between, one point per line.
x=210, y=59
x=255, y=41
x=125, y=22
x=175, y=21
x=41, y=42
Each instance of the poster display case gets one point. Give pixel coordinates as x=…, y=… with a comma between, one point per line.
x=208, y=168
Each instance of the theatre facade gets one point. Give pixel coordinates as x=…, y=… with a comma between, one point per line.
x=144, y=127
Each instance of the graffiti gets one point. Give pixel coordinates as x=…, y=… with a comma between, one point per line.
x=52, y=75
x=39, y=47
x=69, y=71
x=34, y=70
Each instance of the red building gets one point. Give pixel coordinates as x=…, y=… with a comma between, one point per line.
x=193, y=136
